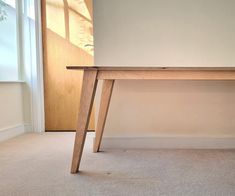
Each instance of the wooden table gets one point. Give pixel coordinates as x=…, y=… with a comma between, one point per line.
x=111, y=73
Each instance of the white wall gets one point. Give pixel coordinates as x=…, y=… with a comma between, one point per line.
x=168, y=33
x=11, y=110
x=165, y=32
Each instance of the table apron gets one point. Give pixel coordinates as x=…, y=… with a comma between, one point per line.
x=167, y=74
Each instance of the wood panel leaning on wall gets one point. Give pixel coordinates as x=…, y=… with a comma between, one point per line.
x=67, y=40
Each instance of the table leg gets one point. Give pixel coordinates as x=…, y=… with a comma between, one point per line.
x=104, y=106
x=86, y=102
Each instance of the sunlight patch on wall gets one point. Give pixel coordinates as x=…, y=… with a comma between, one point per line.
x=81, y=32
x=80, y=7
x=55, y=16
x=71, y=20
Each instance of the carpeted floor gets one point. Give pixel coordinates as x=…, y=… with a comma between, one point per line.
x=39, y=164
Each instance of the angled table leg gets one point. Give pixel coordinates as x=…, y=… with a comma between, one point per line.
x=104, y=106
x=86, y=102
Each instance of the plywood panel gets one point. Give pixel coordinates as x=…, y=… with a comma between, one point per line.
x=68, y=39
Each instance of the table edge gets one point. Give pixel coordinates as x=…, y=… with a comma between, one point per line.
x=148, y=68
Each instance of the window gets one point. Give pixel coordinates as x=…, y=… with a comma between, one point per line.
x=17, y=39
x=8, y=41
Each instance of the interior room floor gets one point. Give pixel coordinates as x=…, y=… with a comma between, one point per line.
x=39, y=164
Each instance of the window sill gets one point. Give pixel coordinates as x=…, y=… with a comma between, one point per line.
x=12, y=81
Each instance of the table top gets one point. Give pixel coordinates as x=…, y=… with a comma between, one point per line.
x=141, y=68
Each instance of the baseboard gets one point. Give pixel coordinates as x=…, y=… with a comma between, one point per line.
x=176, y=142
x=13, y=131
x=28, y=128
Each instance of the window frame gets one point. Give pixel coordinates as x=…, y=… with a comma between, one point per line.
x=20, y=36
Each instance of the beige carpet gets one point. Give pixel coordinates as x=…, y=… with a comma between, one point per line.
x=39, y=164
